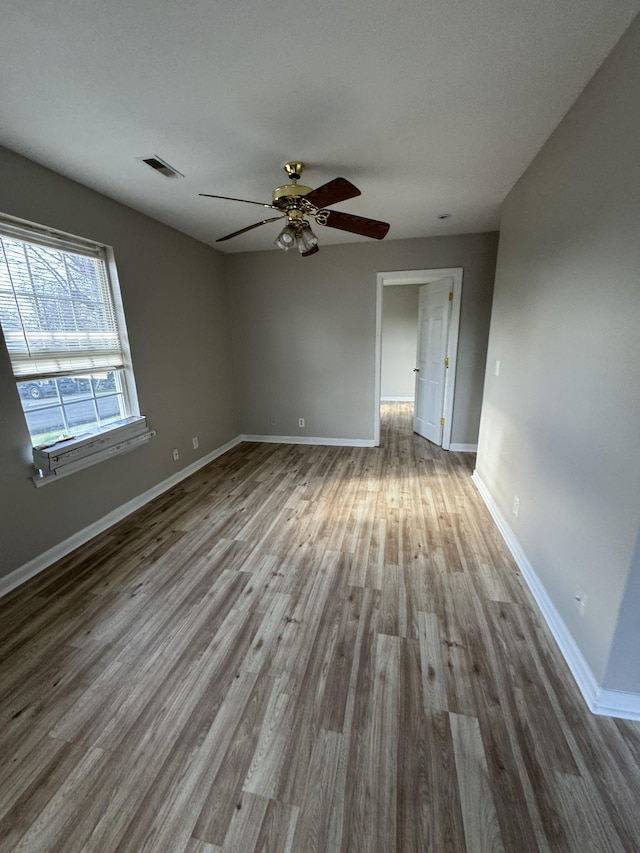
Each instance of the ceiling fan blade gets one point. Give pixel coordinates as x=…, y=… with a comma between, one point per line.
x=339, y=189
x=248, y=228
x=244, y=200
x=357, y=224
x=311, y=251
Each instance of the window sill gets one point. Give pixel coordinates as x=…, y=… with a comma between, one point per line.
x=43, y=478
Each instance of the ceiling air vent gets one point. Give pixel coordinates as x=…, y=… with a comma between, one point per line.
x=159, y=165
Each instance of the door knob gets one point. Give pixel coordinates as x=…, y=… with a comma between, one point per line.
x=416, y=370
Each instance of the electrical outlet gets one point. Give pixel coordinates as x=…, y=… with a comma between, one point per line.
x=496, y=369
x=196, y=443
x=272, y=421
x=175, y=454
x=516, y=505
x=580, y=599
x=300, y=422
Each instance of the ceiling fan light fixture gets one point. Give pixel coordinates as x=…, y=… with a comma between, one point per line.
x=286, y=239
x=307, y=240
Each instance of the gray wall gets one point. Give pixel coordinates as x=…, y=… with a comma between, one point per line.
x=399, y=340
x=561, y=424
x=304, y=333
x=623, y=666
x=177, y=316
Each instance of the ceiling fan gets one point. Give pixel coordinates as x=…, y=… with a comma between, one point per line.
x=297, y=204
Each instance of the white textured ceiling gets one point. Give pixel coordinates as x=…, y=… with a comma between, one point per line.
x=429, y=106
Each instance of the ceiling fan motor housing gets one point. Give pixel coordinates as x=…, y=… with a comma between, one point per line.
x=287, y=196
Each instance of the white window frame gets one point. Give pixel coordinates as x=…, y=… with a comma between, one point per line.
x=21, y=229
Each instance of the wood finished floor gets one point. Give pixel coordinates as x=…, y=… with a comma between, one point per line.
x=302, y=649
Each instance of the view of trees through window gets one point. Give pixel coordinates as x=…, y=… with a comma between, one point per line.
x=59, y=325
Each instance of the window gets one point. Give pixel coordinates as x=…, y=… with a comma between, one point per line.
x=64, y=329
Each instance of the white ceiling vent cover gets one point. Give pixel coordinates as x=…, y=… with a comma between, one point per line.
x=161, y=166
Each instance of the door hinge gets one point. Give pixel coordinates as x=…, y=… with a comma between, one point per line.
x=446, y=362
x=441, y=421
x=451, y=296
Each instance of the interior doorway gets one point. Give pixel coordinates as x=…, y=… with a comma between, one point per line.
x=447, y=348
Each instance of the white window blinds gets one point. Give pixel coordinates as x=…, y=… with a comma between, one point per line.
x=56, y=306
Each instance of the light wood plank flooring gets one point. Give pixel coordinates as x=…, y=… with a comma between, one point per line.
x=302, y=649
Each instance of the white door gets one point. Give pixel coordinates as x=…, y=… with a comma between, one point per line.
x=433, y=323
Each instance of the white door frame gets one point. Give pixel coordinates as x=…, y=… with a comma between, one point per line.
x=399, y=277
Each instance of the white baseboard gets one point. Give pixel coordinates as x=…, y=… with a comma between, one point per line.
x=397, y=399
x=464, y=448
x=608, y=703
x=617, y=703
x=43, y=561
x=306, y=439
